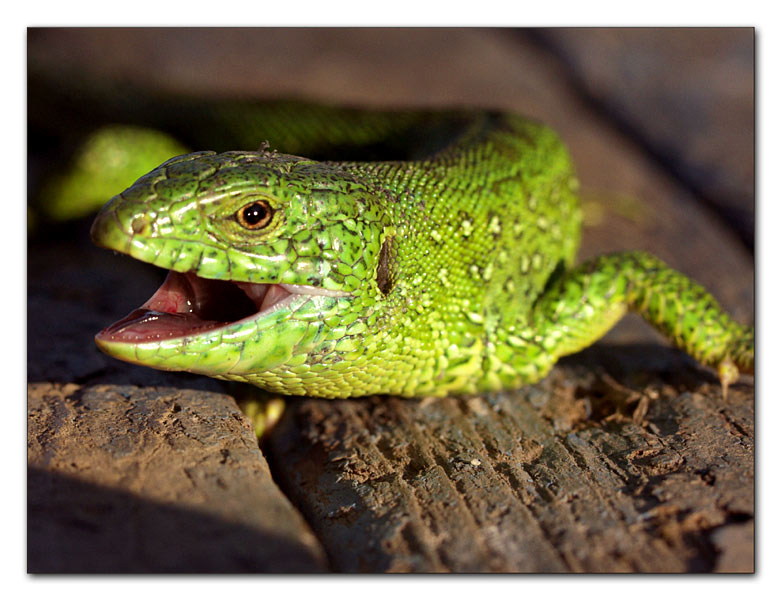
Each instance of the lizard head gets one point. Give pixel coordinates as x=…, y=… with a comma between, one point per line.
x=275, y=263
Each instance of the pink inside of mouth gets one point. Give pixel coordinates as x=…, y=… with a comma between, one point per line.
x=186, y=305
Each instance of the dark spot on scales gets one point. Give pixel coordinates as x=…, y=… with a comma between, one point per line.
x=385, y=273
x=138, y=225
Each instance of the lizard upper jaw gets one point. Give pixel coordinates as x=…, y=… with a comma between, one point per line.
x=187, y=305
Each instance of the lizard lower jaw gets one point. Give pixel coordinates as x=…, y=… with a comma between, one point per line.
x=187, y=305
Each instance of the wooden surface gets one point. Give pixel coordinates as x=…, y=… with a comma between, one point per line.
x=528, y=481
x=625, y=459
x=125, y=479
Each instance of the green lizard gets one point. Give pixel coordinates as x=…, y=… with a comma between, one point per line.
x=436, y=256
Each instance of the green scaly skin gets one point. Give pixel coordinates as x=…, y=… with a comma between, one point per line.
x=451, y=271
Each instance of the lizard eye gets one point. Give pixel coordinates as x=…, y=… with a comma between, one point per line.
x=255, y=215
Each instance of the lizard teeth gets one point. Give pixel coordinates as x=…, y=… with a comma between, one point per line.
x=309, y=290
x=274, y=294
x=266, y=295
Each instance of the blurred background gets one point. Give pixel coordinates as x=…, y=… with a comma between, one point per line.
x=660, y=120
x=685, y=97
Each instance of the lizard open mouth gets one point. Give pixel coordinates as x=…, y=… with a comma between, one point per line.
x=187, y=305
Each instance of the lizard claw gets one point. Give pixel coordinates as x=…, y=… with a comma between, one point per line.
x=728, y=374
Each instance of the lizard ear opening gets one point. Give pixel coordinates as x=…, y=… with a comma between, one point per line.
x=385, y=272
